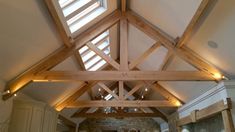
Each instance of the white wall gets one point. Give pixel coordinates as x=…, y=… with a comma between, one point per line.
x=5, y=110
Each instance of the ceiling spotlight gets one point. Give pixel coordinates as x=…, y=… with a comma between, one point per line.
x=135, y=110
x=15, y=95
x=99, y=89
x=217, y=76
x=142, y=96
x=6, y=92
x=146, y=89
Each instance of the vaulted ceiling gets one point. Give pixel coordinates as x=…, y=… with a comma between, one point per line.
x=29, y=34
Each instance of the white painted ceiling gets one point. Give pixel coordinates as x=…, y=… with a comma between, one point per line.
x=28, y=35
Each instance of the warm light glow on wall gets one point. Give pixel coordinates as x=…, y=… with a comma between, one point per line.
x=217, y=76
x=177, y=103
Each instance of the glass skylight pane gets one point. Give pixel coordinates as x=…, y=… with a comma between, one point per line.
x=64, y=3
x=92, y=62
x=107, y=51
x=88, y=56
x=108, y=97
x=97, y=39
x=77, y=25
x=98, y=65
x=103, y=45
x=75, y=6
x=83, y=13
x=83, y=49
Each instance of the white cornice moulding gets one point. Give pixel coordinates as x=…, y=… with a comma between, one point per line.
x=219, y=92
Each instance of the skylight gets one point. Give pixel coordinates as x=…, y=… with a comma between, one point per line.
x=90, y=59
x=77, y=13
x=108, y=97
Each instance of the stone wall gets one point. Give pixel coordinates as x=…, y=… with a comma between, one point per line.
x=120, y=125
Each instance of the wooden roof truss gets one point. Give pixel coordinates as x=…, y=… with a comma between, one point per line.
x=125, y=71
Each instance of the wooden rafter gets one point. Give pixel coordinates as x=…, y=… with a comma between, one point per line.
x=133, y=90
x=61, y=54
x=194, y=21
x=121, y=90
x=184, y=53
x=98, y=28
x=124, y=44
x=66, y=39
x=46, y=64
x=102, y=85
x=162, y=91
x=166, y=62
x=84, y=110
x=81, y=90
x=107, y=58
x=61, y=105
x=123, y=5
x=145, y=55
x=121, y=76
x=83, y=104
x=79, y=60
x=169, y=96
x=155, y=110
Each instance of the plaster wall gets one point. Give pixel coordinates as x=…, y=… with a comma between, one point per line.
x=5, y=110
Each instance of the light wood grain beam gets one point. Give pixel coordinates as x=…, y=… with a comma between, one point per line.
x=228, y=121
x=184, y=53
x=155, y=110
x=144, y=56
x=107, y=58
x=84, y=110
x=66, y=39
x=165, y=93
x=82, y=104
x=97, y=29
x=102, y=85
x=121, y=90
x=123, y=5
x=123, y=45
x=133, y=90
x=79, y=60
x=62, y=76
x=193, y=23
x=45, y=64
x=207, y=112
x=167, y=61
x=81, y=90
x=115, y=115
